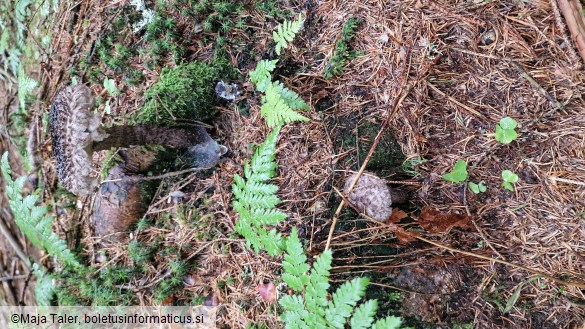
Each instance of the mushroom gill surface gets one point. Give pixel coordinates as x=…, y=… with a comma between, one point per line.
x=74, y=129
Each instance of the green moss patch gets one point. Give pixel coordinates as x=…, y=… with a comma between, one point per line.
x=185, y=91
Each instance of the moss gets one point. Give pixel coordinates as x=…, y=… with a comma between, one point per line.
x=185, y=91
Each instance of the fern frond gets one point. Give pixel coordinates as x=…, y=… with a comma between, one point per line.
x=391, y=322
x=316, y=292
x=292, y=99
x=255, y=200
x=295, y=312
x=31, y=219
x=268, y=216
x=260, y=76
x=286, y=32
x=364, y=315
x=25, y=87
x=295, y=263
x=44, y=288
x=272, y=242
x=344, y=300
x=276, y=111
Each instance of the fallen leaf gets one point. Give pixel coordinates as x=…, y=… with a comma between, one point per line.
x=211, y=300
x=435, y=221
x=267, y=291
x=404, y=236
x=396, y=216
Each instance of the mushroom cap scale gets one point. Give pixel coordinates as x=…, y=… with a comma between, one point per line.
x=370, y=195
x=74, y=128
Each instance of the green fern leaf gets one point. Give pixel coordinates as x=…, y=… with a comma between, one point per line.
x=364, y=315
x=390, y=322
x=260, y=76
x=275, y=110
x=344, y=300
x=292, y=99
x=316, y=293
x=261, y=188
x=25, y=87
x=31, y=219
x=286, y=32
x=294, y=312
x=295, y=263
x=268, y=216
x=44, y=288
x=255, y=200
x=272, y=242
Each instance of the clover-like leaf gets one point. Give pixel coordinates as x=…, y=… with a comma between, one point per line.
x=508, y=123
x=509, y=179
x=505, y=132
x=508, y=186
x=458, y=174
x=509, y=176
x=477, y=188
x=110, y=86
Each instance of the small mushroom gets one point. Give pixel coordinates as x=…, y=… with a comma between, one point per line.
x=370, y=195
x=77, y=132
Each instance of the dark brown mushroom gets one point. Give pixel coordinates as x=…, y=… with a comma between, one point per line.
x=77, y=132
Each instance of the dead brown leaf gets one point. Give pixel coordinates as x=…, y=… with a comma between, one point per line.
x=435, y=221
x=396, y=216
x=267, y=291
x=404, y=236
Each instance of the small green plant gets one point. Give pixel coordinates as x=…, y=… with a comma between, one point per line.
x=310, y=307
x=477, y=188
x=458, y=174
x=509, y=179
x=184, y=91
x=255, y=199
x=25, y=87
x=33, y=220
x=408, y=166
x=342, y=52
x=285, y=33
x=110, y=86
x=505, y=132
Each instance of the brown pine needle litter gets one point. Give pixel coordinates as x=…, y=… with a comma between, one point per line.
x=436, y=76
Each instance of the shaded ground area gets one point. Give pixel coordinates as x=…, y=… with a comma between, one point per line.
x=453, y=69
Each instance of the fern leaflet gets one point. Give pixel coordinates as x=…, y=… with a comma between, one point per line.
x=391, y=322
x=44, y=288
x=364, y=315
x=286, y=32
x=32, y=220
x=310, y=307
x=292, y=99
x=255, y=199
x=260, y=76
x=344, y=300
x=276, y=111
x=25, y=87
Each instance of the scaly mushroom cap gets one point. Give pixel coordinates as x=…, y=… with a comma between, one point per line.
x=74, y=128
x=370, y=195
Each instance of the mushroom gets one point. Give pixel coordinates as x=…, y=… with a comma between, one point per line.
x=370, y=195
x=77, y=132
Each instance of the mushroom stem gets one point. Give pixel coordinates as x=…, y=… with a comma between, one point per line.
x=126, y=136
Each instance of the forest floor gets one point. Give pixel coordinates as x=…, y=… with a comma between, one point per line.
x=439, y=74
